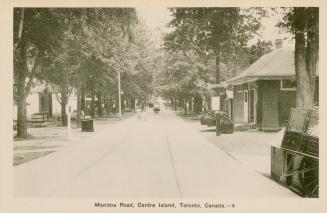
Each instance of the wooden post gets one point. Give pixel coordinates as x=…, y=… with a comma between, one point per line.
x=218, y=124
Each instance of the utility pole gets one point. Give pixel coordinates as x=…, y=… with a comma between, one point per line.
x=119, y=96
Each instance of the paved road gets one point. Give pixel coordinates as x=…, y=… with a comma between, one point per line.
x=146, y=156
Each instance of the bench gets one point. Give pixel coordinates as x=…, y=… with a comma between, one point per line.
x=39, y=119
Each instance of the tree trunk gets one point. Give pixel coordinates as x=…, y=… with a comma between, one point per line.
x=122, y=105
x=21, y=118
x=185, y=107
x=133, y=104
x=189, y=104
x=197, y=104
x=92, y=104
x=99, y=104
x=21, y=103
x=63, y=103
x=109, y=106
x=312, y=50
x=305, y=61
x=19, y=66
x=82, y=98
x=21, y=70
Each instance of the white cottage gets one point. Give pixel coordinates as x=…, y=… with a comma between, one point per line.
x=43, y=98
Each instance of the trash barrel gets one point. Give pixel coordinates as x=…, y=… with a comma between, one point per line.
x=87, y=125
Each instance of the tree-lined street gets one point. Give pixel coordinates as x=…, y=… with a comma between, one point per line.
x=163, y=157
x=76, y=67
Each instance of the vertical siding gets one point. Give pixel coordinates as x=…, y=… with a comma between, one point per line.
x=270, y=114
x=272, y=107
x=286, y=101
x=238, y=106
x=259, y=106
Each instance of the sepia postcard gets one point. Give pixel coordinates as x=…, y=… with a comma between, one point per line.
x=162, y=106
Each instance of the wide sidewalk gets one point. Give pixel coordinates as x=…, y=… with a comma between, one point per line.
x=146, y=156
x=250, y=147
x=45, y=140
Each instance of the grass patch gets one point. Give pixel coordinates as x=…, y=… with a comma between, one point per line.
x=21, y=158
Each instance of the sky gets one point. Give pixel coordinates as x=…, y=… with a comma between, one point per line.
x=156, y=18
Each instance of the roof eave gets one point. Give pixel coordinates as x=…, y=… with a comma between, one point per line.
x=249, y=79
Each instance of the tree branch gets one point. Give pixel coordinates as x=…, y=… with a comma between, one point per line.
x=21, y=26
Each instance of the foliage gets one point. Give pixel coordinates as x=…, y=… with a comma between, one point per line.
x=213, y=29
x=183, y=75
x=81, y=48
x=100, y=42
x=202, y=43
x=37, y=33
x=259, y=49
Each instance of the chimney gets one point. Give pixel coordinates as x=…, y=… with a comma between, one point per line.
x=278, y=43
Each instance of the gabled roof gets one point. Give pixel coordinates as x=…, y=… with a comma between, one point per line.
x=277, y=64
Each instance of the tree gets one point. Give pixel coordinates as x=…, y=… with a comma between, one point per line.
x=182, y=77
x=303, y=22
x=137, y=81
x=95, y=39
x=61, y=74
x=62, y=66
x=246, y=56
x=259, y=49
x=109, y=36
x=203, y=40
x=217, y=31
x=80, y=49
x=114, y=40
x=36, y=34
